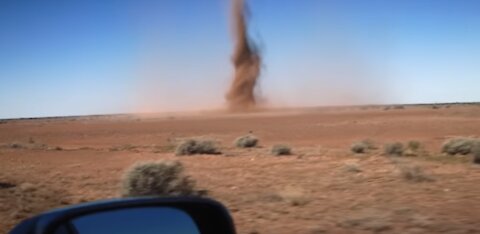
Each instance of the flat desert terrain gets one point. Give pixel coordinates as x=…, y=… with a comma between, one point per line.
x=322, y=188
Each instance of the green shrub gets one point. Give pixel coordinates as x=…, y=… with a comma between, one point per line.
x=279, y=150
x=196, y=146
x=247, y=141
x=459, y=145
x=394, y=149
x=161, y=178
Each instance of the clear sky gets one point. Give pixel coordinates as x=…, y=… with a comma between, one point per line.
x=115, y=56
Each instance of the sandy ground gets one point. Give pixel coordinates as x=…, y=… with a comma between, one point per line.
x=322, y=188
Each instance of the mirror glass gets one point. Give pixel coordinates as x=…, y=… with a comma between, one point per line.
x=145, y=220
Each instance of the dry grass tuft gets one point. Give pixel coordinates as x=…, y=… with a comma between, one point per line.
x=197, y=146
x=394, y=149
x=414, y=148
x=414, y=145
x=279, y=150
x=359, y=148
x=459, y=145
x=476, y=154
x=161, y=178
x=363, y=146
x=414, y=173
x=247, y=141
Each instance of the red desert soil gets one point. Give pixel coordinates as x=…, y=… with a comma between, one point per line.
x=322, y=188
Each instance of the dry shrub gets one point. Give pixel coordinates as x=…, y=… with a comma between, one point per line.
x=362, y=146
x=247, y=141
x=414, y=145
x=359, y=148
x=476, y=154
x=197, y=146
x=394, y=149
x=161, y=178
x=459, y=145
x=279, y=150
x=414, y=173
x=413, y=148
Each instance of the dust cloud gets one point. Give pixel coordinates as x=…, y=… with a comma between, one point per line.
x=324, y=63
x=246, y=61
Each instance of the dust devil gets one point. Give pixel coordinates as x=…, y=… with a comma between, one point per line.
x=246, y=61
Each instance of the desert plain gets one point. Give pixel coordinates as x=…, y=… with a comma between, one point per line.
x=323, y=187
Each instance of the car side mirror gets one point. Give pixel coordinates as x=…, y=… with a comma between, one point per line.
x=132, y=216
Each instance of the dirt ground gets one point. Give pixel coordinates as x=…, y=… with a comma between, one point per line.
x=322, y=188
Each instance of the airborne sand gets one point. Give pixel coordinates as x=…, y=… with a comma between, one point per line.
x=246, y=61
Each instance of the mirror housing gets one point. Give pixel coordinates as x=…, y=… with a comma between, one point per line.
x=209, y=216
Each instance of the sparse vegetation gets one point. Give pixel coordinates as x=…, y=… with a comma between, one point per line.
x=476, y=154
x=394, y=149
x=28, y=145
x=414, y=145
x=459, y=145
x=413, y=148
x=414, y=173
x=162, y=178
x=359, y=147
x=398, y=107
x=125, y=147
x=247, y=141
x=168, y=148
x=279, y=150
x=196, y=146
x=362, y=146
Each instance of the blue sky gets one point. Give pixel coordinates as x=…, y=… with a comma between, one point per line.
x=97, y=57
